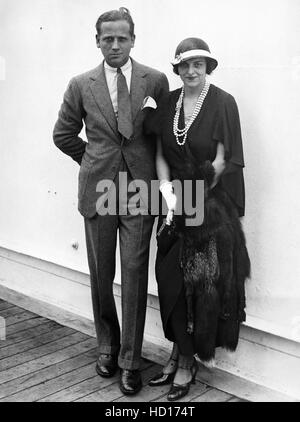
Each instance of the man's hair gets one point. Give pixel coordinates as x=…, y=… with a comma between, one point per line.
x=122, y=14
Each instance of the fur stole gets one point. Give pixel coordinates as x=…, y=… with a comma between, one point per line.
x=215, y=264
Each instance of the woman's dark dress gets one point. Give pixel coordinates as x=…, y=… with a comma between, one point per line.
x=218, y=121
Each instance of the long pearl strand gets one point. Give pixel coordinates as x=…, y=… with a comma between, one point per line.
x=179, y=133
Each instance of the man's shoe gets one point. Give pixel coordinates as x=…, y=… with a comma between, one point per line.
x=130, y=381
x=107, y=365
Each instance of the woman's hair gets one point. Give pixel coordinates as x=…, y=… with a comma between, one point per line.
x=194, y=44
x=122, y=14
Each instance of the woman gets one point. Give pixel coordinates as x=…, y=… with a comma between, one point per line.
x=200, y=270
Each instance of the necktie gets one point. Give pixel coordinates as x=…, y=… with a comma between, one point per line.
x=124, y=107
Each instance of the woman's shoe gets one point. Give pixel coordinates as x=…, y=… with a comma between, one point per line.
x=161, y=379
x=177, y=391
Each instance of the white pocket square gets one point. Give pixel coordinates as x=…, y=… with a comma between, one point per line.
x=149, y=102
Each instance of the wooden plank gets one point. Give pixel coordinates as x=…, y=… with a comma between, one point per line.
x=108, y=394
x=236, y=400
x=5, y=305
x=34, y=342
x=48, y=373
x=40, y=391
x=47, y=310
x=16, y=337
x=20, y=326
x=37, y=352
x=23, y=316
x=15, y=310
x=47, y=360
x=213, y=395
x=77, y=391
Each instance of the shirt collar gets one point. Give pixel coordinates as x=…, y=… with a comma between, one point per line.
x=127, y=66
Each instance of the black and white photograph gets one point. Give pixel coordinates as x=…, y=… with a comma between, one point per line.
x=149, y=214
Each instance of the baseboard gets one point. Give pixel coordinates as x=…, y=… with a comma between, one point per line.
x=265, y=367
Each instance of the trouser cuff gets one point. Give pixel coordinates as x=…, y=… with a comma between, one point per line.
x=128, y=364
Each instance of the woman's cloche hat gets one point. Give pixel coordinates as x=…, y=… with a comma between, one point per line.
x=191, y=48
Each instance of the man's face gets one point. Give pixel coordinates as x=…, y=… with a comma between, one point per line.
x=115, y=42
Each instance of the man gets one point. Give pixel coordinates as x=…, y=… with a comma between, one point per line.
x=117, y=146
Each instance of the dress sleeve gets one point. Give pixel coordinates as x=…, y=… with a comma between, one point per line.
x=228, y=132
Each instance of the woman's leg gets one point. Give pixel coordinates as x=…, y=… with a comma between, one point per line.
x=183, y=347
x=178, y=327
x=171, y=365
x=167, y=374
x=184, y=373
x=184, y=341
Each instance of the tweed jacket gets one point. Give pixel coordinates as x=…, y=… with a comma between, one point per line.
x=87, y=101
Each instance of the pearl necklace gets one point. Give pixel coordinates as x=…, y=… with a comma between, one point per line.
x=179, y=133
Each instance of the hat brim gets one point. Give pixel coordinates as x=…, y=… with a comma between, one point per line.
x=191, y=54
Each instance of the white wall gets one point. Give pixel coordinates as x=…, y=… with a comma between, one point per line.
x=43, y=43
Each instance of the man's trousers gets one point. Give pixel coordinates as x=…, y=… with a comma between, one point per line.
x=134, y=240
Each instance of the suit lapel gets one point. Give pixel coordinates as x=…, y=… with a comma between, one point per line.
x=137, y=88
x=101, y=95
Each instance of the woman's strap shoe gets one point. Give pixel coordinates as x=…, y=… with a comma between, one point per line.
x=177, y=391
x=161, y=379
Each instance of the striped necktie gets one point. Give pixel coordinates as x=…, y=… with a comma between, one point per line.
x=124, y=107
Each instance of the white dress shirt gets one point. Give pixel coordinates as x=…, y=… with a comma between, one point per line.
x=111, y=79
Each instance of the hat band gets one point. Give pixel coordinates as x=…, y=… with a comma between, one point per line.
x=189, y=54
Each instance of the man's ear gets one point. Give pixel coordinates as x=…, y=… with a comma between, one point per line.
x=132, y=41
x=98, y=40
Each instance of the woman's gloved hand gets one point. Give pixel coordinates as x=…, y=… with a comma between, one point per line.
x=166, y=189
x=219, y=166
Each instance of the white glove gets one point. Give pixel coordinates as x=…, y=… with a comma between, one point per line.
x=169, y=217
x=166, y=189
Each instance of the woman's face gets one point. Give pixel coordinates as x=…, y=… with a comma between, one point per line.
x=193, y=72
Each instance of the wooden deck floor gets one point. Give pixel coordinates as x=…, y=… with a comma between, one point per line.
x=43, y=361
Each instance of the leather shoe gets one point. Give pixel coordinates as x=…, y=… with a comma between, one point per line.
x=161, y=379
x=107, y=365
x=177, y=391
x=130, y=381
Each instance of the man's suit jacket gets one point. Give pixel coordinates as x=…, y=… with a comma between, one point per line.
x=87, y=99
